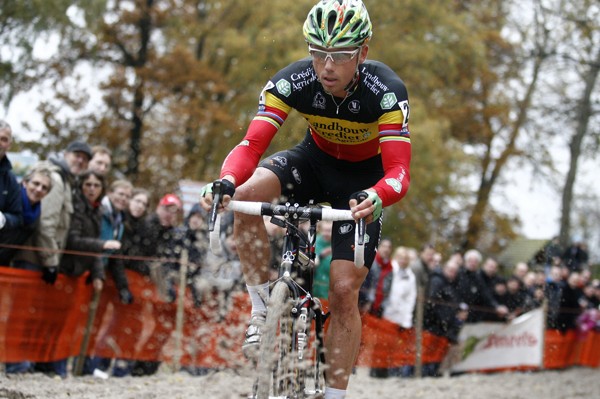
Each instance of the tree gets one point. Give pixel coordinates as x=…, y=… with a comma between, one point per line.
x=585, y=57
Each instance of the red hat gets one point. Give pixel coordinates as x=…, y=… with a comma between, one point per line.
x=170, y=199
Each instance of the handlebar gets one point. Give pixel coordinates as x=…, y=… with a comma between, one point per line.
x=301, y=213
x=359, y=235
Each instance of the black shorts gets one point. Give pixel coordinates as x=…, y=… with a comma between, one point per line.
x=307, y=173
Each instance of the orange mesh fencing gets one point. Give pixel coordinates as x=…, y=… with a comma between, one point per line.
x=43, y=323
x=40, y=322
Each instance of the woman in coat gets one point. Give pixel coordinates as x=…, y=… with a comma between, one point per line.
x=84, y=232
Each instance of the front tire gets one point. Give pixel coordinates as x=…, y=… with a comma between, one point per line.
x=275, y=363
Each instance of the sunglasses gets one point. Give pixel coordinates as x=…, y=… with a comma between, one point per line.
x=337, y=57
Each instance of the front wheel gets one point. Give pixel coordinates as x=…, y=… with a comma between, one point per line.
x=275, y=362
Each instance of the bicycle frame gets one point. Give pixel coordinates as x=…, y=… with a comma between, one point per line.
x=291, y=308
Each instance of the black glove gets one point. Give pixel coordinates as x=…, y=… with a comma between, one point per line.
x=49, y=274
x=125, y=296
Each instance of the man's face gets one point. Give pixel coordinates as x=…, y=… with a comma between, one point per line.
x=100, y=163
x=78, y=161
x=120, y=198
x=490, y=267
x=37, y=187
x=5, y=141
x=472, y=263
x=451, y=270
x=334, y=77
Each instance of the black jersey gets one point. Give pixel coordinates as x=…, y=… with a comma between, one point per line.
x=372, y=119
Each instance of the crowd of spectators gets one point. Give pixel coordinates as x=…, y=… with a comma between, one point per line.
x=68, y=215
x=468, y=288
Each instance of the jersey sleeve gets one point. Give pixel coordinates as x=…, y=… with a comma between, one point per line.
x=243, y=158
x=394, y=141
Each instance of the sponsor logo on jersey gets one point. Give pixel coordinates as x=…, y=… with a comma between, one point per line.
x=335, y=132
x=279, y=162
x=388, y=101
x=284, y=87
x=373, y=83
x=319, y=101
x=296, y=175
x=395, y=184
x=244, y=143
x=346, y=228
x=354, y=106
x=302, y=79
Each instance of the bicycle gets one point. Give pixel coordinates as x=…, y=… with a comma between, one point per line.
x=291, y=357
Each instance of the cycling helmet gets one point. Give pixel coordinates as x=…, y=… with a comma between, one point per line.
x=338, y=23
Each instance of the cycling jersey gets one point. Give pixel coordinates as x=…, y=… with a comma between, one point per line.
x=371, y=120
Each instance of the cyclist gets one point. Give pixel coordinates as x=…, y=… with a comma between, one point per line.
x=357, y=140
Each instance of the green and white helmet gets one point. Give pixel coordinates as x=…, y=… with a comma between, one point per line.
x=338, y=23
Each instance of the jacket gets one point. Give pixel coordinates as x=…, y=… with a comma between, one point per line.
x=442, y=305
x=84, y=236
x=19, y=235
x=10, y=196
x=57, y=208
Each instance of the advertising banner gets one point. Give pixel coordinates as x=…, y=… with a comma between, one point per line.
x=488, y=346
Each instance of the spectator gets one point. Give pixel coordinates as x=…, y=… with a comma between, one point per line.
x=101, y=161
x=444, y=311
x=489, y=273
x=572, y=303
x=500, y=293
x=575, y=257
x=590, y=296
x=195, y=240
x=424, y=265
x=132, y=237
x=535, y=282
x=84, y=237
x=114, y=206
x=377, y=284
x=376, y=289
x=57, y=208
x=35, y=186
x=11, y=213
x=400, y=304
x=84, y=232
x=322, y=260
x=517, y=300
x=474, y=292
x=131, y=247
x=552, y=251
x=520, y=271
x=553, y=293
x=158, y=240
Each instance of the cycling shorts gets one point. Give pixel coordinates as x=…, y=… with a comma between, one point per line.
x=307, y=173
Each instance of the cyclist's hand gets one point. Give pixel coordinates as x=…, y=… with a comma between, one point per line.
x=370, y=208
x=206, y=195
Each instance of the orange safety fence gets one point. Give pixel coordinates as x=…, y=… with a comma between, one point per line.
x=42, y=323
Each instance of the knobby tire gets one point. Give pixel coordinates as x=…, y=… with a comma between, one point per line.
x=275, y=363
